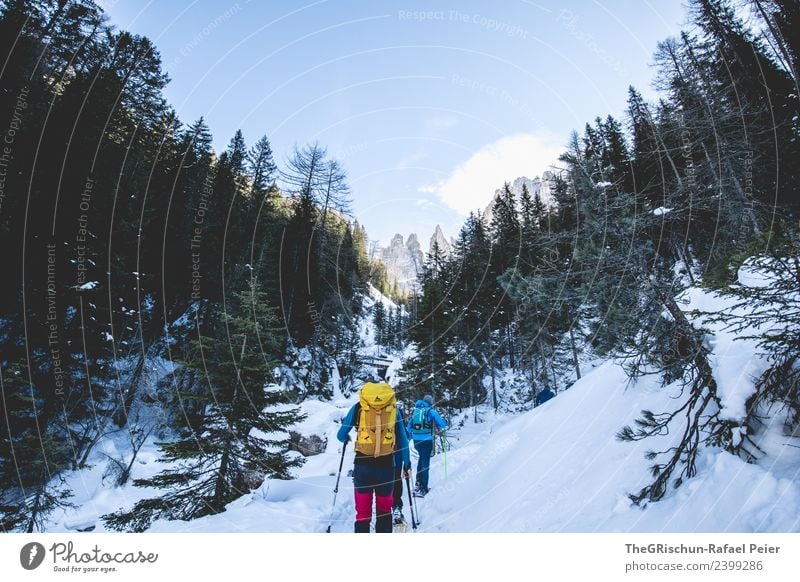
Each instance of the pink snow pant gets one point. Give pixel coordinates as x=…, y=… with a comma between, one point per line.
x=374, y=482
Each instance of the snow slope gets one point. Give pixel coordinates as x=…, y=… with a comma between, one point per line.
x=557, y=468
x=560, y=469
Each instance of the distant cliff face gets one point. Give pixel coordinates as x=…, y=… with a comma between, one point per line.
x=404, y=259
x=439, y=239
x=415, y=250
x=538, y=185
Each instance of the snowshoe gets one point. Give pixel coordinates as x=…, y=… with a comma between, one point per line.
x=399, y=524
x=421, y=492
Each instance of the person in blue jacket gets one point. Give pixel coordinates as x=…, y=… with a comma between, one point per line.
x=420, y=426
x=543, y=396
x=374, y=476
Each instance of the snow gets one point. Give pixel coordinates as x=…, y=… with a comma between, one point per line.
x=750, y=275
x=556, y=468
x=87, y=286
x=374, y=296
x=560, y=469
x=734, y=359
x=660, y=211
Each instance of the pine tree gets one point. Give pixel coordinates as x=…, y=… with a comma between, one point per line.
x=429, y=372
x=305, y=177
x=33, y=453
x=379, y=321
x=505, y=228
x=235, y=441
x=614, y=157
x=262, y=167
x=769, y=313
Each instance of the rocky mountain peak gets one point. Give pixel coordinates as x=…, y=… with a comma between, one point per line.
x=537, y=185
x=439, y=239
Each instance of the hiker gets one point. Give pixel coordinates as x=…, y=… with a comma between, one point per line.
x=397, y=500
x=379, y=435
x=543, y=396
x=421, y=425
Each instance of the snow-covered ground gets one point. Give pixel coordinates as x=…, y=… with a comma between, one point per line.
x=557, y=468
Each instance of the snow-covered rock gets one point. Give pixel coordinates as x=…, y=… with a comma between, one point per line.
x=403, y=260
x=537, y=185
x=439, y=239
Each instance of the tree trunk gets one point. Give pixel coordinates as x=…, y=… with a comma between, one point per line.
x=680, y=252
x=574, y=353
x=222, y=476
x=34, y=512
x=510, y=339
x=135, y=448
x=121, y=414
x=494, y=387
x=544, y=376
x=745, y=199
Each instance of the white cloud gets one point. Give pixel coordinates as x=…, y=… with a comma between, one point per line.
x=472, y=183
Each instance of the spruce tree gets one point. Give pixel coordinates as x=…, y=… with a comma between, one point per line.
x=238, y=438
x=379, y=317
x=33, y=454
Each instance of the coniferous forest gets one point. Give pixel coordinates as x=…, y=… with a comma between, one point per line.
x=680, y=192
x=141, y=267
x=157, y=289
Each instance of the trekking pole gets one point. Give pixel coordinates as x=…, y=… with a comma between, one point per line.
x=442, y=435
x=336, y=489
x=416, y=507
x=411, y=503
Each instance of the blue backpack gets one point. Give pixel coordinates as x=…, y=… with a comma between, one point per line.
x=421, y=422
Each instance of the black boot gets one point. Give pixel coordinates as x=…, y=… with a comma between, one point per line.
x=362, y=526
x=383, y=523
x=397, y=516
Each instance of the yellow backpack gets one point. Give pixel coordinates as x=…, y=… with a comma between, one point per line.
x=376, y=419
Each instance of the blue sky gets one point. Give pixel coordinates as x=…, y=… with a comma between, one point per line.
x=429, y=106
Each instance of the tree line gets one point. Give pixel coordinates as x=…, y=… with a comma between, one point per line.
x=153, y=287
x=681, y=192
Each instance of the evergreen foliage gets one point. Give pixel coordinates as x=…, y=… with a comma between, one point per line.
x=139, y=238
